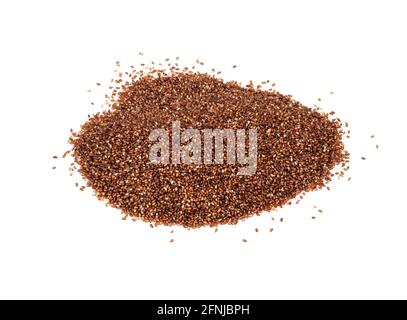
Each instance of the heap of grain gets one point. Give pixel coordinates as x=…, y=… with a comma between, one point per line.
x=297, y=149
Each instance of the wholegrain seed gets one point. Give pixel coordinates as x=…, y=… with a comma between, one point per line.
x=298, y=148
x=66, y=153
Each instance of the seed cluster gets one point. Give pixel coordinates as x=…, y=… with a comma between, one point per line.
x=298, y=148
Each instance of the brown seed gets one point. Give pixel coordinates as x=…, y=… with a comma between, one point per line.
x=172, y=240
x=53, y=168
x=363, y=158
x=55, y=157
x=271, y=230
x=244, y=240
x=112, y=148
x=257, y=230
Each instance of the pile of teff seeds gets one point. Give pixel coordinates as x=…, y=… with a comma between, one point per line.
x=297, y=148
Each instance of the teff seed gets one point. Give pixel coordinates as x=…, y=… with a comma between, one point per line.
x=111, y=149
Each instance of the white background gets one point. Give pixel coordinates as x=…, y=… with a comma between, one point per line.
x=58, y=242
